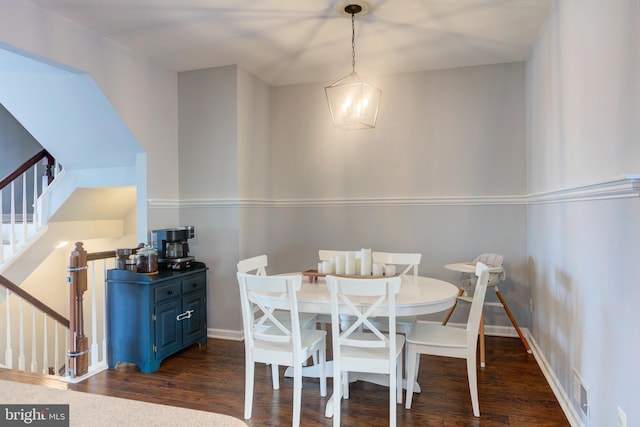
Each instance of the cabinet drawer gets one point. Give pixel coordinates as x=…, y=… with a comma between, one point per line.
x=166, y=292
x=194, y=284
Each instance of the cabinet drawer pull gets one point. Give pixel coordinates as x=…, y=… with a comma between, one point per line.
x=185, y=315
x=170, y=292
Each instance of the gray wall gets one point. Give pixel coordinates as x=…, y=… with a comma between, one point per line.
x=584, y=104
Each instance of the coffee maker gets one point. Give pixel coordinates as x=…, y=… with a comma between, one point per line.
x=172, y=247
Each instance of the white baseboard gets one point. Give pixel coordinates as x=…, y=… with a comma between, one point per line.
x=561, y=394
x=102, y=366
x=225, y=334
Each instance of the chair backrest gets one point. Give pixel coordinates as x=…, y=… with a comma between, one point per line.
x=329, y=255
x=475, y=312
x=492, y=260
x=269, y=293
x=257, y=264
x=346, y=298
x=410, y=260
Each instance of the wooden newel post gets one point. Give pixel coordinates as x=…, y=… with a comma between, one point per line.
x=49, y=164
x=78, y=355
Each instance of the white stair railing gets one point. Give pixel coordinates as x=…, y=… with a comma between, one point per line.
x=8, y=352
x=39, y=337
x=38, y=334
x=18, y=227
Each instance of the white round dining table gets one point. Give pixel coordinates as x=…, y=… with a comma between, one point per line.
x=418, y=295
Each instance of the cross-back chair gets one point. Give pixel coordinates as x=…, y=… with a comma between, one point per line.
x=257, y=265
x=362, y=347
x=268, y=340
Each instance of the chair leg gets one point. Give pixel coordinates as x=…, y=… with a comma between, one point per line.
x=412, y=371
x=393, y=395
x=345, y=384
x=314, y=355
x=275, y=376
x=337, y=397
x=399, y=372
x=482, y=352
x=513, y=321
x=322, y=356
x=297, y=394
x=473, y=384
x=455, y=303
x=248, y=388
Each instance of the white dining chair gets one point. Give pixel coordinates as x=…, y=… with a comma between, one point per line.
x=330, y=255
x=258, y=265
x=362, y=347
x=409, y=263
x=255, y=265
x=440, y=340
x=274, y=342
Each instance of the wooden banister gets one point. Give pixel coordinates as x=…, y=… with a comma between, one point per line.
x=42, y=155
x=94, y=256
x=17, y=290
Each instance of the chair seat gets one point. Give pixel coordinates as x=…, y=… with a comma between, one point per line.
x=426, y=333
x=362, y=355
x=308, y=339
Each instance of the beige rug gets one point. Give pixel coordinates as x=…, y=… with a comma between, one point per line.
x=86, y=409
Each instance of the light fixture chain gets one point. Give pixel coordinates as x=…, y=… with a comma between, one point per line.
x=353, y=42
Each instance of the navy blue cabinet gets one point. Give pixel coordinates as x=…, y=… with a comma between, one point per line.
x=151, y=316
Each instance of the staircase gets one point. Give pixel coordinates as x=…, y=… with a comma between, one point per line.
x=63, y=110
x=45, y=205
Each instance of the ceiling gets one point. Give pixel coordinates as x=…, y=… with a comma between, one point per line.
x=288, y=42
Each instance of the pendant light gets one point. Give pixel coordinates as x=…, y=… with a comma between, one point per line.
x=353, y=103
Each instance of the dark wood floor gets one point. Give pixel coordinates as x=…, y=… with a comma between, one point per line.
x=512, y=390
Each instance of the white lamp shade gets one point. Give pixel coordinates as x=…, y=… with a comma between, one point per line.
x=353, y=103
